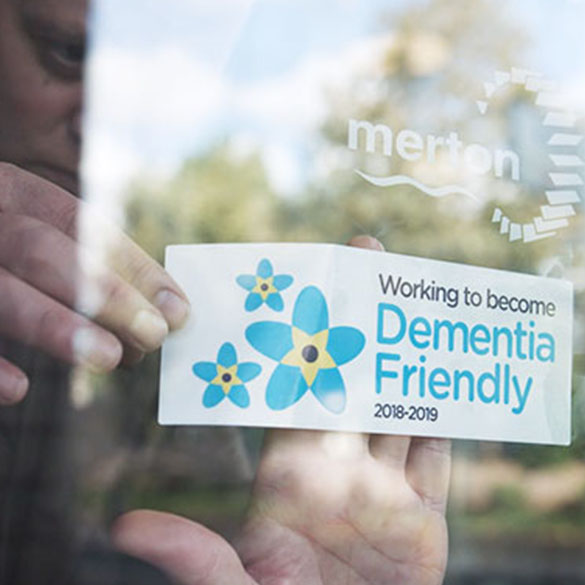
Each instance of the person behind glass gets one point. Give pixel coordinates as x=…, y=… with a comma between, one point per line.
x=327, y=508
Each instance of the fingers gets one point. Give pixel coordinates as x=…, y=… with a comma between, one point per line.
x=134, y=266
x=13, y=383
x=25, y=194
x=120, y=308
x=425, y=462
x=153, y=282
x=185, y=550
x=30, y=317
x=390, y=450
x=46, y=279
x=47, y=259
x=428, y=469
x=38, y=253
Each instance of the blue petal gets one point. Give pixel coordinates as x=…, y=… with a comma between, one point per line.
x=227, y=355
x=205, y=370
x=246, y=281
x=286, y=386
x=310, y=312
x=274, y=301
x=344, y=344
x=274, y=340
x=264, y=269
x=329, y=390
x=253, y=301
x=248, y=371
x=239, y=396
x=213, y=396
x=282, y=281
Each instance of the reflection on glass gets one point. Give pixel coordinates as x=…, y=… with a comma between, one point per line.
x=446, y=129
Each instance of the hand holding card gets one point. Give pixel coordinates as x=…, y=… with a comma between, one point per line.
x=327, y=508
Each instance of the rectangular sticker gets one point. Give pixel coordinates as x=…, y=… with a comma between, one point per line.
x=318, y=336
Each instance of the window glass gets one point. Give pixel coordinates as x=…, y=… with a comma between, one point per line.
x=448, y=130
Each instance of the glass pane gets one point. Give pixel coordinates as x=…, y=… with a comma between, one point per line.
x=446, y=129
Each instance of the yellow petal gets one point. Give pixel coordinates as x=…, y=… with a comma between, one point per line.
x=294, y=357
x=234, y=380
x=264, y=281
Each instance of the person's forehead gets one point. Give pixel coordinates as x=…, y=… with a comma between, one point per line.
x=67, y=14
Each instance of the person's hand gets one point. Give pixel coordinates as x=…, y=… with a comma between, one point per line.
x=61, y=296
x=328, y=508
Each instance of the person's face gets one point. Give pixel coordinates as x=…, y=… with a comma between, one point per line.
x=42, y=46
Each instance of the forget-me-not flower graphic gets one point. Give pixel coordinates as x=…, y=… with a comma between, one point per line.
x=264, y=287
x=226, y=377
x=308, y=353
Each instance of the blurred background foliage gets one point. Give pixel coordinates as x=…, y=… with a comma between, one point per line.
x=516, y=495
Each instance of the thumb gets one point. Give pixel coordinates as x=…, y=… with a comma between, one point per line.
x=185, y=550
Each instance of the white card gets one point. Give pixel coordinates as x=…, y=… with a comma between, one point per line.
x=317, y=336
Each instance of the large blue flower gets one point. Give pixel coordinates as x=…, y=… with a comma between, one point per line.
x=226, y=378
x=308, y=352
x=264, y=287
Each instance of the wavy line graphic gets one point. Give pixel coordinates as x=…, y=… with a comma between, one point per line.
x=404, y=180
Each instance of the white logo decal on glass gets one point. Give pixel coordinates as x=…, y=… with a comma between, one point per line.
x=565, y=181
x=411, y=146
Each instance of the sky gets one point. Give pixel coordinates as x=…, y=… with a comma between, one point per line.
x=167, y=79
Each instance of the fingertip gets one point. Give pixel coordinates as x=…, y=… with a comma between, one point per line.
x=148, y=330
x=131, y=532
x=369, y=242
x=132, y=528
x=174, y=308
x=428, y=470
x=21, y=388
x=97, y=350
x=122, y=529
x=13, y=384
x=390, y=450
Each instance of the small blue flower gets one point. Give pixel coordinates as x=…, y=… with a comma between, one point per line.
x=308, y=353
x=226, y=378
x=264, y=287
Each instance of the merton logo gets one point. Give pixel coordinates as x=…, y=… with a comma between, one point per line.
x=412, y=146
x=467, y=160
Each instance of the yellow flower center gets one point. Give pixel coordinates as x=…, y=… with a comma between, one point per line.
x=226, y=378
x=264, y=287
x=309, y=354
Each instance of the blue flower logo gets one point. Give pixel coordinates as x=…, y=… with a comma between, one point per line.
x=226, y=378
x=264, y=287
x=309, y=353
